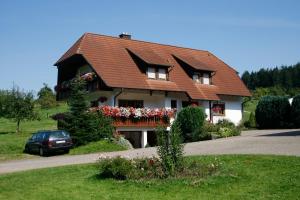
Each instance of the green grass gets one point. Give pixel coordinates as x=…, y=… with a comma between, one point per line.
x=99, y=146
x=12, y=143
x=249, y=107
x=239, y=177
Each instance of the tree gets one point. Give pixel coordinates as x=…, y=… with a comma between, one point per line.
x=46, y=97
x=19, y=106
x=84, y=126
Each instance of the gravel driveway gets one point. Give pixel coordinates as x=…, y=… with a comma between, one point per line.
x=276, y=142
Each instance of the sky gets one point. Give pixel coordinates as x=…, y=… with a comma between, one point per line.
x=246, y=34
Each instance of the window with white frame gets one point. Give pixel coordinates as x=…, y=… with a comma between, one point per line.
x=162, y=73
x=157, y=73
x=203, y=78
x=151, y=72
x=218, y=108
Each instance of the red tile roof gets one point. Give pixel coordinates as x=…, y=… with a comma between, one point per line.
x=111, y=60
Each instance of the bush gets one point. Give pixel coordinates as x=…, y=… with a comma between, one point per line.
x=295, y=113
x=190, y=120
x=227, y=128
x=120, y=140
x=273, y=112
x=117, y=168
x=170, y=149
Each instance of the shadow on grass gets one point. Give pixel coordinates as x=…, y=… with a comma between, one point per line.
x=6, y=132
x=287, y=133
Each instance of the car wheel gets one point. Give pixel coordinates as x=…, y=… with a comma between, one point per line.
x=26, y=150
x=42, y=152
x=67, y=151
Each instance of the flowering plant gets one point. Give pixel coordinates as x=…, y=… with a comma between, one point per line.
x=130, y=112
x=90, y=76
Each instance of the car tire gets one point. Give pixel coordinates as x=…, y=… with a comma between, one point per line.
x=67, y=151
x=42, y=152
x=26, y=150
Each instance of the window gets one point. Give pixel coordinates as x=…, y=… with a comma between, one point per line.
x=218, y=108
x=157, y=73
x=131, y=103
x=162, y=73
x=173, y=104
x=151, y=72
x=203, y=78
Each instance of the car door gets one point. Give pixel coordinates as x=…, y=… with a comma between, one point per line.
x=31, y=142
x=36, y=143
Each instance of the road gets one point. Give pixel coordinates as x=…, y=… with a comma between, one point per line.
x=273, y=142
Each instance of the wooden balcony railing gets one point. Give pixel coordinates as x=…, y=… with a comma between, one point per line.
x=142, y=122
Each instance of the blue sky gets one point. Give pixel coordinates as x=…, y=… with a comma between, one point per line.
x=245, y=34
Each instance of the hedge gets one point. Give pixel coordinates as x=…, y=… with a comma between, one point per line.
x=273, y=112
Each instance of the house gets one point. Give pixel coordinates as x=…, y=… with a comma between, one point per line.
x=130, y=73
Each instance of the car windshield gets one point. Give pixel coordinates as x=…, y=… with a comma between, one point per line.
x=59, y=134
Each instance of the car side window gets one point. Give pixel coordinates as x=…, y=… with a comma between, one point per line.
x=33, y=137
x=40, y=136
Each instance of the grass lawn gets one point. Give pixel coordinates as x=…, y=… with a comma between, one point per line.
x=239, y=177
x=12, y=143
x=249, y=107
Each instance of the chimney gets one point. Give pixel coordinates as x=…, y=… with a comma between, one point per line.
x=125, y=36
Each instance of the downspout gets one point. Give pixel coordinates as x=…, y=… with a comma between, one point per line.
x=210, y=114
x=116, y=96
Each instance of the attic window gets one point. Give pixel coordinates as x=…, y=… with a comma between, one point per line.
x=157, y=73
x=151, y=72
x=203, y=78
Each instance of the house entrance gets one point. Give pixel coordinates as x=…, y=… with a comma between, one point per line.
x=134, y=137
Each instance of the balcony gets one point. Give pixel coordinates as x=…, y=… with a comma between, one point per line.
x=137, y=117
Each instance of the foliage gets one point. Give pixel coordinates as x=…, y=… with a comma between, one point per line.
x=227, y=128
x=251, y=122
x=122, y=168
x=118, y=168
x=295, y=113
x=19, y=106
x=46, y=97
x=286, y=77
x=190, y=120
x=224, y=128
x=137, y=113
x=273, y=112
x=84, y=126
x=170, y=149
x=164, y=152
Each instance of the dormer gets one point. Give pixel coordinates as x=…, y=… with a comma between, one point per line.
x=198, y=71
x=150, y=63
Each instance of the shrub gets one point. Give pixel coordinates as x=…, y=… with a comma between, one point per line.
x=227, y=128
x=273, y=112
x=190, y=120
x=117, y=168
x=120, y=140
x=295, y=113
x=170, y=149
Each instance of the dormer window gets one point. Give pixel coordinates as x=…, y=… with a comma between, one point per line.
x=157, y=73
x=203, y=78
x=151, y=72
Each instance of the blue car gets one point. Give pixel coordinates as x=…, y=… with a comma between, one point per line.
x=46, y=142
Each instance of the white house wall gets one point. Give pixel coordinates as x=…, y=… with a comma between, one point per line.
x=233, y=110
